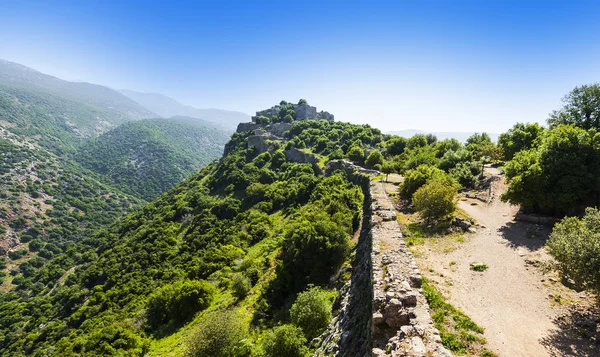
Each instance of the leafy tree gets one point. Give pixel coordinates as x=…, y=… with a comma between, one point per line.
x=417, y=141
x=424, y=155
x=178, y=301
x=481, y=145
x=285, y=340
x=581, y=108
x=389, y=167
x=558, y=175
x=435, y=200
x=575, y=243
x=520, y=137
x=302, y=101
x=311, y=311
x=375, y=158
x=356, y=154
x=441, y=147
x=452, y=158
x=395, y=145
x=220, y=334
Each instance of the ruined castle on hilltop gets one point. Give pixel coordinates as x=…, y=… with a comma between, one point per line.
x=303, y=112
x=279, y=118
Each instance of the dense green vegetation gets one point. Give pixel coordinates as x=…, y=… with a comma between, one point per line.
x=250, y=219
x=147, y=157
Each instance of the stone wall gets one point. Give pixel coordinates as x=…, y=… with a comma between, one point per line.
x=386, y=314
x=401, y=324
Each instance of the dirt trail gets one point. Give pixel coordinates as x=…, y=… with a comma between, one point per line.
x=511, y=299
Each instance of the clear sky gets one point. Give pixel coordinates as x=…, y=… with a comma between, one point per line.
x=431, y=65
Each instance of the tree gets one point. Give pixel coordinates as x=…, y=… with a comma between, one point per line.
x=288, y=118
x=302, y=101
x=311, y=311
x=375, y=158
x=452, y=158
x=560, y=174
x=435, y=200
x=356, y=154
x=520, y=137
x=416, y=141
x=575, y=243
x=395, y=145
x=285, y=340
x=581, y=108
x=388, y=167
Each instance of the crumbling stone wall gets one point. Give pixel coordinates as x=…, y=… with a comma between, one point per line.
x=401, y=324
x=398, y=321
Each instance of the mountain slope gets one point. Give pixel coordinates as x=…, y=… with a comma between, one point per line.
x=168, y=107
x=147, y=157
x=259, y=227
x=59, y=113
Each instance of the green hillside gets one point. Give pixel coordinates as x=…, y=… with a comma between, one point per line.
x=147, y=157
x=59, y=113
x=257, y=227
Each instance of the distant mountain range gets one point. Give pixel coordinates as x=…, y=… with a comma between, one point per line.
x=169, y=107
x=460, y=136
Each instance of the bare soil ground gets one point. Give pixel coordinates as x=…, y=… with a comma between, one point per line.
x=520, y=304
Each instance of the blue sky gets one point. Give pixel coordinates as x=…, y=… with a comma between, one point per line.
x=430, y=65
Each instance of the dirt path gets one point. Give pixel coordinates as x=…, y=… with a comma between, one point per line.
x=512, y=299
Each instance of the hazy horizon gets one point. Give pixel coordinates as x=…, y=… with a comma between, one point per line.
x=461, y=67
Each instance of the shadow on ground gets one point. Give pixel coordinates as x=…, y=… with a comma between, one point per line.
x=577, y=335
x=528, y=235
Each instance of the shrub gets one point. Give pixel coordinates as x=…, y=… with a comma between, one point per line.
x=416, y=178
x=466, y=173
x=221, y=334
x=240, y=286
x=435, y=200
x=178, y=302
x=286, y=340
x=311, y=311
x=575, y=243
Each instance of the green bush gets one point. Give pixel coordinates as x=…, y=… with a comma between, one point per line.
x=466, y=173
x=415, y=178
x=286, y=340
x=435, y=200
x=220, y=334
x=178, y=302
x=241, y=286
x=575, y=243
x=311, y=311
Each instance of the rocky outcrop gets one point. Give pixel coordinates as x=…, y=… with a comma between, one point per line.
x=244, y=127
x=296, y=155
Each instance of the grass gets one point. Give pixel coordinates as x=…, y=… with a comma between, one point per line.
x=459, y=333
x=480, y=267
